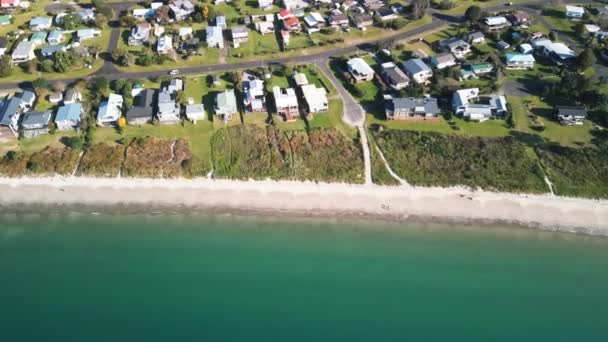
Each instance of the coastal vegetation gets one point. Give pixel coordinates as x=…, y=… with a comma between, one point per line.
x=156, y=158
x=251, y=151
x=101, y=160
x=53, y=160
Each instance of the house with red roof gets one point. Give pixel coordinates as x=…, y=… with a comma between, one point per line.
x=292, y=24
x=284, y=14
x=9, y=3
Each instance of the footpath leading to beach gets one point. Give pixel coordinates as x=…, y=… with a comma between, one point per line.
x=315, y=199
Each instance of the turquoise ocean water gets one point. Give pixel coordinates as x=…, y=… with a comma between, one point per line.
x=202, y=278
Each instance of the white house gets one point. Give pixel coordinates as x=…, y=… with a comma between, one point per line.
x=315, y=98
x=264, y=27
x=360, y=70
x=469, y=104
x=195, y=112
x=456, y=46
x=164, y=45
x=496, y=23
x=443, y=60
x=254, y=98
x=110, y=110
x=417, y=70
x=215, y=37
x=23, y=52
x=68, y=116
x=574, y=12
x=265, y=4
x=519, y=61
x=286, y=103
x=240, y=34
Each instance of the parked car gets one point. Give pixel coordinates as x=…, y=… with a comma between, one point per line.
x=174, y=72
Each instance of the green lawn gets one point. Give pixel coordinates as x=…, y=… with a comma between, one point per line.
x=333, y=118
x=258, y=46
x=196, y=88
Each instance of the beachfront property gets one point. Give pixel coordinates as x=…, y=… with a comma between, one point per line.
x=110, y=110
x=574, y=12
x=254, y=98
x=10, y=113
x=519, y=61
x=359, y=70
x=410, y=108
x=571, y=115
x=443, y=60
x=35, y=123
x=68, y=117
x=240, y=34
x=169, y=111
x=393, y=76
x=315, y=98
x=141, y=112
x=455, y=45
x=286, y=103
x=225, y=105
x=417, y=70
x=23, y=52
x=195, y=112
x=215, y=37
x=471, y=105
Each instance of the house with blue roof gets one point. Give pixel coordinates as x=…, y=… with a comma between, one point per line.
x=35, y=123
x=417, y=70
x=55, y=37
x=40, y=23
x=10, y=112
x=519, y=61
x=85, y=34
x=49, y=51
x=87, y=14
x=38, y=38
x=68, y=116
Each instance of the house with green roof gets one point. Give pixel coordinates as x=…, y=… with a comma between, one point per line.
x=38, y=38
x=225, y=104
x=482, y=68
x=5, y=19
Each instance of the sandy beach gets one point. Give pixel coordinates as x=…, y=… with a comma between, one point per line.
x=316, y=199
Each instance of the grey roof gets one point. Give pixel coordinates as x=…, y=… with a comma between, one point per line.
x=394, y=75
x=195, y=109
x=142, y=105
x=239, y=29
x=27, y=96
x=414, y=66
x=36, y=119
x=409, y=103
x=3, y=42
x=8, y=110
x=51, y=49
x=575, y=111
x=451, y=43
x=69, y=112
x=475, y=35
x=444, y=57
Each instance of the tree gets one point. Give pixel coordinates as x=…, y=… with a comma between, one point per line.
x=146, y=58
x=70, y=21
x=181, y=97
x=122, y=123
x=101, y=21
x=105, y=11
x=553, y=36
x=62, y=61
x=162, y=14
x=40, y=84
x=72, y=142
x=47, y=65
x=205, y=12
x=127, y=20
x=100, y=84
x=419, y=8
x=473, y=13
x=122, y=57
x=6, y=69
x=585, y=59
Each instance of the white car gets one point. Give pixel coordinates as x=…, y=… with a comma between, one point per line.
x=174, y=72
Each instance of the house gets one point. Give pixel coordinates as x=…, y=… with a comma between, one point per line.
x=299, y=79
x=59, y=17
x=519, y=18
x=386, y=14
x=110, y=110
x=394, y=76
x=559, y=53
x=574, y=12
x=140, y=34
x=502, y=45
x=254, y=99
x=240, y=34
x=481, y=68
x=469, y=104
x=72, y=95
x=164, y=45
x=38, y=38
x=141, y=112
x=496, y=23
x=5, y=19
x=540, y=43
x=294, y=4
x=286, y=103
x=36, y=123
x=591, y=28
x=27, y=100
x=144, y=13
x=9, y=3
x=519, y=61
x=361, y=20
x=417, y=70
x=86, y=15
x=55, y=98
x=455, y=45
x=55, y=37
x=185, y=33
x=443, y=60
x=68, y=117
x=192, y=45
x=315, y=98
x=3, y=46
x=360, y=70
x=181, y=9
x=372, y=5
x=571, y=115
x=23, y=52
x=292, y=24
x=314, y=22
x=410, y=108
x=40, y=23
x=476, y=37
x=50, y=50
x=284, y=14
x=215, y=37
x=158, y=30
x=82, y=35
x=225, y=105
x=526, y=48
x=337, y=19
x=195, y=112
x=264, y=27
x=265, y=4
x=220, y=21
x=169, y=111
x=10, y=113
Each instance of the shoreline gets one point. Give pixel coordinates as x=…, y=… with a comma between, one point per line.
x=310, y=199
